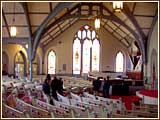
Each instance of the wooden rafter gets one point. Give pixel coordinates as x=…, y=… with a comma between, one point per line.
x=25, y=8
x=49, y=40
x=134, y=21
x=5, y=21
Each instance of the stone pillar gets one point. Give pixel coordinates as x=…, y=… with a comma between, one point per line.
x=30, y=70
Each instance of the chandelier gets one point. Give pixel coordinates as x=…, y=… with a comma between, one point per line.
x=13, y=30
x=117, y=6
x=97, y=22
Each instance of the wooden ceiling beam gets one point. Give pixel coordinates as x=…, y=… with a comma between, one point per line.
x=5, y=21
x=138, y=37
x=15, y=40
x=50, y=7
x=25, y=8
x=48, y=41
x=134, y=21
x=137, y=15
x=40, y=29
x=58, y=20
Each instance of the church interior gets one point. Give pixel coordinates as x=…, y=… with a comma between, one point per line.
x=80, y=59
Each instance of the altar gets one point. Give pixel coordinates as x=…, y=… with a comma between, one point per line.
x=120, y=83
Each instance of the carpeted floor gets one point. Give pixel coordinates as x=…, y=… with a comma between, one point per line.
x=150, y=93
x=128, y=100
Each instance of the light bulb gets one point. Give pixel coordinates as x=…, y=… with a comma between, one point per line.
x=97, y=23
x=13, y=31
x=117, y=6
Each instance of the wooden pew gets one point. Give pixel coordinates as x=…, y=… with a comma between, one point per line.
x=77, y=112
x=151, y=109
x=57, y=111
x=75, y=96
x=34, y=112
x=63, y=99
x=116, y=104
x=7, y=88
x=85, y=94
x=94, y=111
x=9, y=112
x=20, y=89
x=139, y=113
x=121, y=116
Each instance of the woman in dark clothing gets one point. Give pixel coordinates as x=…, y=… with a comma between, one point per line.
x=46, y=87
x=54, y=88
x=106, y=87
x=60, y=86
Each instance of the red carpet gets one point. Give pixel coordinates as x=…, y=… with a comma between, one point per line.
x=150, y=93
x=128, y=100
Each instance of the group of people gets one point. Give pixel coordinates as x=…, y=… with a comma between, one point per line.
x=52, y=86
x=101, y=85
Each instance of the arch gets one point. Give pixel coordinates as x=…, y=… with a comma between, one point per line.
x=36, y=65
x=85, y=58
x=114, y=18
x=20, y=64
x=5, y=61
x=120, y=61
x=51, y=62
x=154, y=69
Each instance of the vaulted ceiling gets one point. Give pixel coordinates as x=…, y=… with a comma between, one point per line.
x=137, y=16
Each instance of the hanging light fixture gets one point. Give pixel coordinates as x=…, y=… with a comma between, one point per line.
x=97, y=21
x=13, y=29
x=117, y=6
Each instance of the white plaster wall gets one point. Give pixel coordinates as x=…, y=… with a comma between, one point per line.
x=109, y=47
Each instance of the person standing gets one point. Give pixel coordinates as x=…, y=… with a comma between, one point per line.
x=46, y=87
x=54, y=88
x=60, y=86
x=106, y=87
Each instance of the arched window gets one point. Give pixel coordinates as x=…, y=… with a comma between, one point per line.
x=77, y=56
x=95, y=55
x=20, y=64
x=119, y=62
x=51, y=62
x=86, y=51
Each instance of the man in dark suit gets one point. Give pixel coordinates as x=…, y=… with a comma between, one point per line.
x=106, y=87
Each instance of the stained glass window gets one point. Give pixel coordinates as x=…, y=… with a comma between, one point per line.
x=76, y=56
x=95, y=55
x=86, y=50
x=51, y=62
x=119, y=62
x=86, y=56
